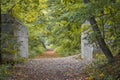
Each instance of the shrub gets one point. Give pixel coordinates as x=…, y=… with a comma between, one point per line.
x=101, y=70
x=5, y=72
x=9, y=49
x=66, y=51
x=36, y=51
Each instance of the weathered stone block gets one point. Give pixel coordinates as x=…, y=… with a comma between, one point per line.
x=16, y=30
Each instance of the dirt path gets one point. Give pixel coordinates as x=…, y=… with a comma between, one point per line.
x=48, y=54
x=67, y=68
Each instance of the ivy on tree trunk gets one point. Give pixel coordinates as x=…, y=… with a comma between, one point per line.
x=100, y=39
x=0, y=58
x=0, y=40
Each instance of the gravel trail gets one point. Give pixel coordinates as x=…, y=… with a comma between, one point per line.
x=66, y=68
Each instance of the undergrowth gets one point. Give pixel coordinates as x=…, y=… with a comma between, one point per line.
x=100, y=69
x=5, y=71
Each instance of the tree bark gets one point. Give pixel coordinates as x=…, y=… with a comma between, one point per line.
x=0, y=57
x=100, y=39
x=43, y=44
x=0, y=49
x=0, y=40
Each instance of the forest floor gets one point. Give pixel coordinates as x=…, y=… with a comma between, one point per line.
x=51, y=67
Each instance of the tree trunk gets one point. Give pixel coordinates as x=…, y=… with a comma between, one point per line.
x=43, y=44
x=0, y=40
x=0, y=57
x=99, y=38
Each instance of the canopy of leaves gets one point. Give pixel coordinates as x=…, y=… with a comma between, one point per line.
x=58, y=22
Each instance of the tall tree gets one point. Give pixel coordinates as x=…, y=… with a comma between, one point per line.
x=99, y=13
x=99, y=37
x=0, y=41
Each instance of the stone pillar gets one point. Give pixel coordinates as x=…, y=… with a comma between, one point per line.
x=11, y=27
x=7, y=34
x=22, y=38
x=86, y=47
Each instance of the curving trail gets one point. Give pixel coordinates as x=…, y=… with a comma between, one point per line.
x=48, y=54
x=67, y=68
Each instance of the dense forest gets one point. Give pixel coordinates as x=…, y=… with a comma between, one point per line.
x=58, y=24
